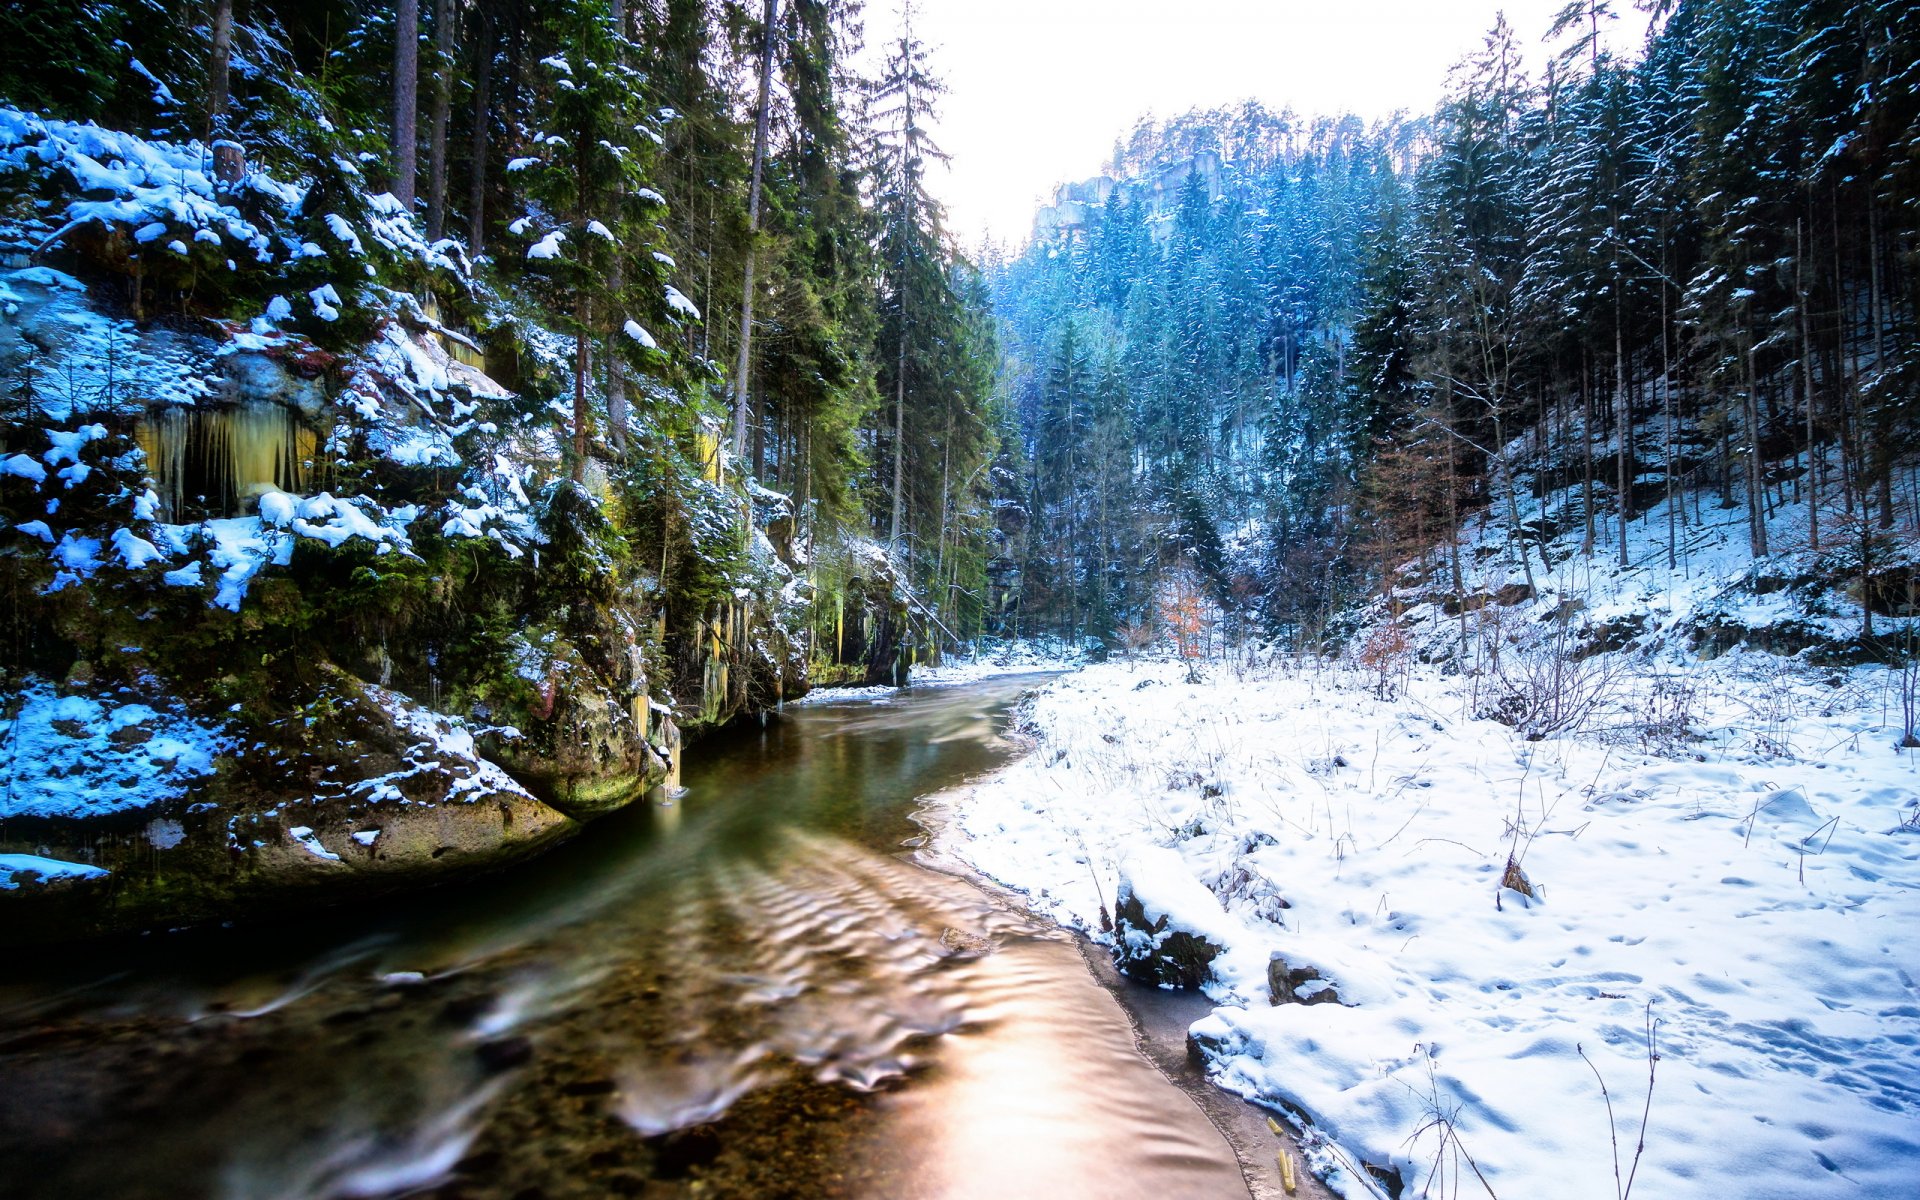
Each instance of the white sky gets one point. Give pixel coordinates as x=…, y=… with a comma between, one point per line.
x=1039, y=89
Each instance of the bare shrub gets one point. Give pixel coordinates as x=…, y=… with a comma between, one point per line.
x=1548, y=689
x=1774, y=706
x=1667, y=713
x=1387, y=655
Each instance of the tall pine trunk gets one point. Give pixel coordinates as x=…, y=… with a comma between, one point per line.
x=741, y=391
x=581, y=366
x=1806, y=382
x=218, y=71
x=406, y=99
x=1623, y=421
x=1756, y=486
x=482, y=121
x=616, y=283
x=437, y=123
x=1883, y=453
x=899, y=423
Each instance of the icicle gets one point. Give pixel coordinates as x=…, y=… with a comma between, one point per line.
x=221, y=460
x=164, y=437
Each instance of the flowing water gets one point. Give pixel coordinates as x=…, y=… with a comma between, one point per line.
x=748, y=992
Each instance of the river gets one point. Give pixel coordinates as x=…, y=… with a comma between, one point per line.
x=748, y=991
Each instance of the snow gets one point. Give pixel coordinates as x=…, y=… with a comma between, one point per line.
x=42, y=870
x=443, y=745
x=78, y=556
x=337, y=225
x=161, y=93
x=85, y=755
x=548, y=246
x=278, y=509
x=89, y=362
x=1759, y=901
x=326, y=302
x=67, y=443
x=333, y=521
x=120, y=180
x=640, y=335
x=678, y=302
x=136, y=552
x=240, y=547
x=1023, y=657
x=310, y=842
x=25, y=468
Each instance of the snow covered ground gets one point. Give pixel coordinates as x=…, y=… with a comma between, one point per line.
x=1757, y=890
x=993, y=658
x=1731, y=851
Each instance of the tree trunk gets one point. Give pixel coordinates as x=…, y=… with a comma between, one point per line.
x=1666, y=413
x=899, y=424
x=1623, y=423
x=482, y=121
x=406, y=98
x=943, y=602
x=1586, y=452
x=900, y=364
x=443, y=19
x=616, y=283
x=580, y=368
x=741, y=390
x=218, y=73
x=1806, y=382
x=1756, y=516
x=1882, y=453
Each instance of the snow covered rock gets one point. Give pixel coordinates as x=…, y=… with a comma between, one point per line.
x=184, y=822
x=1167, y=927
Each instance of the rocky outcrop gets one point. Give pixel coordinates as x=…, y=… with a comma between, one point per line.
x=311, y=596
x=384, y=794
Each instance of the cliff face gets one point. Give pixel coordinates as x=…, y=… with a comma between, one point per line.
x=305, y=599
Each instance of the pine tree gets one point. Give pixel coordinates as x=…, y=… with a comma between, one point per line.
x=589, y=207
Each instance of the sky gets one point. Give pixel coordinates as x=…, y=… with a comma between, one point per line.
x=1040, y=89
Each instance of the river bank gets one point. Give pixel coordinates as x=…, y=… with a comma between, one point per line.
x=1342, y=856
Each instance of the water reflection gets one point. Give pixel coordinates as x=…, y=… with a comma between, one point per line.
x=724, y=992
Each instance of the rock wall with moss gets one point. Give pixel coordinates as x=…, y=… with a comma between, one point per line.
x=308, y=593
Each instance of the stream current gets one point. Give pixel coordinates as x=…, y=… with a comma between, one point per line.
x=751, y=991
